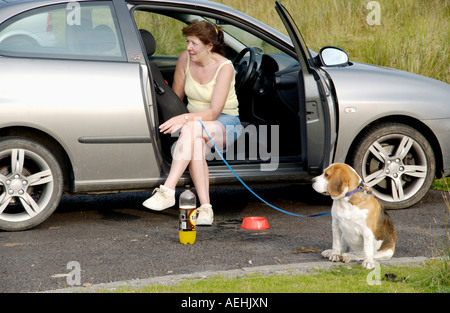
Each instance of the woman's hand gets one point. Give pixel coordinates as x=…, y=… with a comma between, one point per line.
x=173, y=124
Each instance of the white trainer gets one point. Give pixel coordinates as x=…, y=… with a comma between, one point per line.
x=161, y=199
x=205, y=215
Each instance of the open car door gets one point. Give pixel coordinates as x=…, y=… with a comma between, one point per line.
x=317, y=107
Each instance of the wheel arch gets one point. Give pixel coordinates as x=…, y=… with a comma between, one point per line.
x=50, y=143
x=406, y=120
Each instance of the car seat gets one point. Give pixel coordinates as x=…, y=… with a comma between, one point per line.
x=169, y=104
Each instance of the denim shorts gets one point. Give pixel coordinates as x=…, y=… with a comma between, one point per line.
x=233, y=128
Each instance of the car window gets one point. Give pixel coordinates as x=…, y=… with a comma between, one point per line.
x=80, y=30
x=170, y=41
x=166, y=30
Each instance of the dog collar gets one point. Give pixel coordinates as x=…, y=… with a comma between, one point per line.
x=358, y=189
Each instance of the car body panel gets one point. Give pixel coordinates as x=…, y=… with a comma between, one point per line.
x=380, y=92
x=84, y=113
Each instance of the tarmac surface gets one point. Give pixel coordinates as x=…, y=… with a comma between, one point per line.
x=105, y=241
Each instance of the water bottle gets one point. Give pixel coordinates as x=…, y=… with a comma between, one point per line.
x=188, y=217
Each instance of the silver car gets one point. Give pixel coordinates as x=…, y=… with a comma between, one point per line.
x=84, y=86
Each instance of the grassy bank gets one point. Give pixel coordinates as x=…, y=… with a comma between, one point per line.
x=413, y=36
x=431, y=277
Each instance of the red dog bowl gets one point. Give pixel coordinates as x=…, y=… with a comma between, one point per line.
x=255, y=223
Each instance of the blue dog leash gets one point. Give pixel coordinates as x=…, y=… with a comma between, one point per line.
x=245, y=185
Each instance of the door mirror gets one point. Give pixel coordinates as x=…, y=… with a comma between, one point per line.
x=333, y=56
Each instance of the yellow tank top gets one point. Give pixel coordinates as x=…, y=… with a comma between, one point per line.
x=199, y=96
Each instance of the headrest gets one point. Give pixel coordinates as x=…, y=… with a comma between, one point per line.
x=102, y=39
x=149, y=41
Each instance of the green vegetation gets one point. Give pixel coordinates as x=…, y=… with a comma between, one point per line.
x=431, y=277
x=413, y=36
x=441, y=184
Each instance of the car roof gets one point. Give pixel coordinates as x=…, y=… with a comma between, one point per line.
x=12, y=7
x=9, y=8
x=11, y=1
x=36, y=3
x=15, y=2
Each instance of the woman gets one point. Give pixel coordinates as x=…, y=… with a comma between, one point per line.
x=206, y=77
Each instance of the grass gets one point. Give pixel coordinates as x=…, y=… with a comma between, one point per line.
x=431, y=277
x=441, y=184
x=413, y=36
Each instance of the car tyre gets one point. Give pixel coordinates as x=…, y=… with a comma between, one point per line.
x=31, y=184
x=397, y=162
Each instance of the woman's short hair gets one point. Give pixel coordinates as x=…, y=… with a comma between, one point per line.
x=208, y=33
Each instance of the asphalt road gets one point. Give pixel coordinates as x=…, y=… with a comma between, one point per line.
x=107, y=238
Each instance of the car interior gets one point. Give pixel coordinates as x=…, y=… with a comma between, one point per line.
x=268, y=85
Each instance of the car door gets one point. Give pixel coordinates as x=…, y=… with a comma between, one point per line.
x=74, y=81
x=317, y=107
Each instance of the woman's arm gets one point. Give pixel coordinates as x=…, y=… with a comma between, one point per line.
x=179, y=78
x=219, y=97
x=221, y=90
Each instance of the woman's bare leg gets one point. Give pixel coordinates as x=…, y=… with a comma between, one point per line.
x=198, y=169
x=191, y=149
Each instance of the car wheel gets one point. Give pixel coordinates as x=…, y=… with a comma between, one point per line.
x=397, y=162
x=31, y=184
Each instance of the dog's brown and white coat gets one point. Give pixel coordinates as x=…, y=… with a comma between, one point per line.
x=359, y=222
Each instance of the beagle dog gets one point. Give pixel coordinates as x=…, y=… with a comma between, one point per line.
x=359, y=221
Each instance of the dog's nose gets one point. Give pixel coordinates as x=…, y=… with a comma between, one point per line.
x=313, y=180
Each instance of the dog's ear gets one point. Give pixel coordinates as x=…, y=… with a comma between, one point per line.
x=337, y=183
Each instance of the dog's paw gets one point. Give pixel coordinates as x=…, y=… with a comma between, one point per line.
x=331, y=255
x=368, y=264
x=346, y=257
x=335, y=257
x=327, y=253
